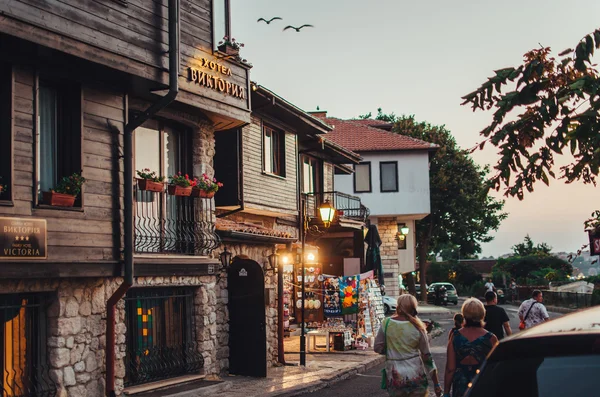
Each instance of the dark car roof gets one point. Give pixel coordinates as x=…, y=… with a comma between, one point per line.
x=582, y=321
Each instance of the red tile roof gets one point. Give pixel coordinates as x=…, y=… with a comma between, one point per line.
x=229, y=225
x=358, y=136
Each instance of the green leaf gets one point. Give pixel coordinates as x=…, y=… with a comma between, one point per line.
x=565, y=52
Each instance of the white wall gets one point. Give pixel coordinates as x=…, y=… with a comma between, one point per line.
x=412, y=197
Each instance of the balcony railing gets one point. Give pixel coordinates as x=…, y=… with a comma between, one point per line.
x=346, y=205
x=166, y=224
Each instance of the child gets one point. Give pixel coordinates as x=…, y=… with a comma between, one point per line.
x=458, y=320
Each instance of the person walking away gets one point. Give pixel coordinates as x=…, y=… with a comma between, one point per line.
x=489, y=286
x=467, y=349
x=532, y=311
x=403, y=339
x=513, y=290
x=458, y=323
x=496, y=319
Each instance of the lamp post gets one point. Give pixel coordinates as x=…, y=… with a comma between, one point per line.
x=327, y=213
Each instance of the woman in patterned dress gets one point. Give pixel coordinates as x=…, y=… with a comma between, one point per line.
x=467, y=349
x=403, y=339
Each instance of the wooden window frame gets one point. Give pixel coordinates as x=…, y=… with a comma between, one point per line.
x=381, y=164
x=368, y=163
x=280, y=146
x=63, y=86
x=214, y=22
x=317, y=176
x=7, y=76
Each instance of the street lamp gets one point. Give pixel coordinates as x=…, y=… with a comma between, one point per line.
x=225, y=257
x=327, y=213
x=273, y=261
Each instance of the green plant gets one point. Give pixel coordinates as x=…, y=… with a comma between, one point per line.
x=207, y=184
x=596, y=298
x=232, y=43
x=182, y=180
x=70, y=184
x=150, y=175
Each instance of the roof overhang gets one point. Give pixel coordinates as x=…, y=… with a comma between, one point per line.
x=272, y=105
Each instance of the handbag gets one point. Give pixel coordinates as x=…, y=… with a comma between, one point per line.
x=522, y=323
x=383, y=371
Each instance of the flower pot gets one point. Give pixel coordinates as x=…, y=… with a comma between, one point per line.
x=176, y=190
x=228, y=49
x=202, y=193
x=150, y=186
x=58, y=199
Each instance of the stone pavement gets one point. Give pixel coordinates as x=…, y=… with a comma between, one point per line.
x=322, y=370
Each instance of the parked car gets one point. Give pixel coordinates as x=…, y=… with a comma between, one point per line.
x=557, y=358
x=389, y=304
x=450, y=290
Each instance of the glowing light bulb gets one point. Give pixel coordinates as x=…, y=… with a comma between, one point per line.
x=311, y=257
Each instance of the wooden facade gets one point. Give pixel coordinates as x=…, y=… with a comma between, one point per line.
x=132, y=37
x=90, y=233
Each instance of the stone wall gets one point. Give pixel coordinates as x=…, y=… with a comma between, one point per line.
x=76, y=320
x=388, y=228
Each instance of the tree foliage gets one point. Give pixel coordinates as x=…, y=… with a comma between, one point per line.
x=527, y=248
x=535, y=269
x=462, y=212
x=551, y=105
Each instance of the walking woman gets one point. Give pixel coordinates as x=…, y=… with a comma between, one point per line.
x=403, y=339
x=467, y=349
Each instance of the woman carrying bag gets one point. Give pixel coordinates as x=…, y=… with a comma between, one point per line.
x=403, y=339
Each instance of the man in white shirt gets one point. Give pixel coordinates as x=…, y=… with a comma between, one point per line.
x=489, y=286
x=532, y=311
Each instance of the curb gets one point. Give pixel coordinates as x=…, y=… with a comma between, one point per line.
x=203, y=391
x=329, y=380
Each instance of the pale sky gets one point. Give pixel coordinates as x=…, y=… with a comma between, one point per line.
x=419, y=57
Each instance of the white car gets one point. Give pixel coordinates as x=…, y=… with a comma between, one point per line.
x=389, y=304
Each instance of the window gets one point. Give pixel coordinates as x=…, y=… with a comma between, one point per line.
x=162, y=220
x=388, y=174
x=274, y=151
x=58, y=143
x=362, y=177
x=5, y=131
x=24, y=362
x=160, y=340
x=221, y=21
x=309, y=175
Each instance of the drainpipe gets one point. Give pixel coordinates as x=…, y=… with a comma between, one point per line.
x=128, y=191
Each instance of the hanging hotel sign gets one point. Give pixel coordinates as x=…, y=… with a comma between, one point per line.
x=214, y=77
x=23, y=238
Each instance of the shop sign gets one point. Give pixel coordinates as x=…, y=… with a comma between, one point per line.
x=594, y=242
x=243, y=273
x=214, y=76
x=23, y=238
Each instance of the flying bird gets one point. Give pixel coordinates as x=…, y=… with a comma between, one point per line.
x=297, y=29
x=269, y=21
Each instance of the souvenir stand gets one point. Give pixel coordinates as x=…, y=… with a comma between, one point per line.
x=288, y=298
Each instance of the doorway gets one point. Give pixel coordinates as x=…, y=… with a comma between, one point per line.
x=247, y=326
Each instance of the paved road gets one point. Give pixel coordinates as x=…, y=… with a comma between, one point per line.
x=368, y=384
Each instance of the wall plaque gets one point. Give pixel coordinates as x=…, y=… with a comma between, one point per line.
x=23, y=239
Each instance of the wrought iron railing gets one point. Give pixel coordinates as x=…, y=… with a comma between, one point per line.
x=174, y=224
x=24, y=361
x=161, y=335
x=346, y=205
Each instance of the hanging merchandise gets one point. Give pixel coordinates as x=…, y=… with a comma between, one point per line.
x=364, y=316
x=349, y=294
x=376, y=311
x=332, y=306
